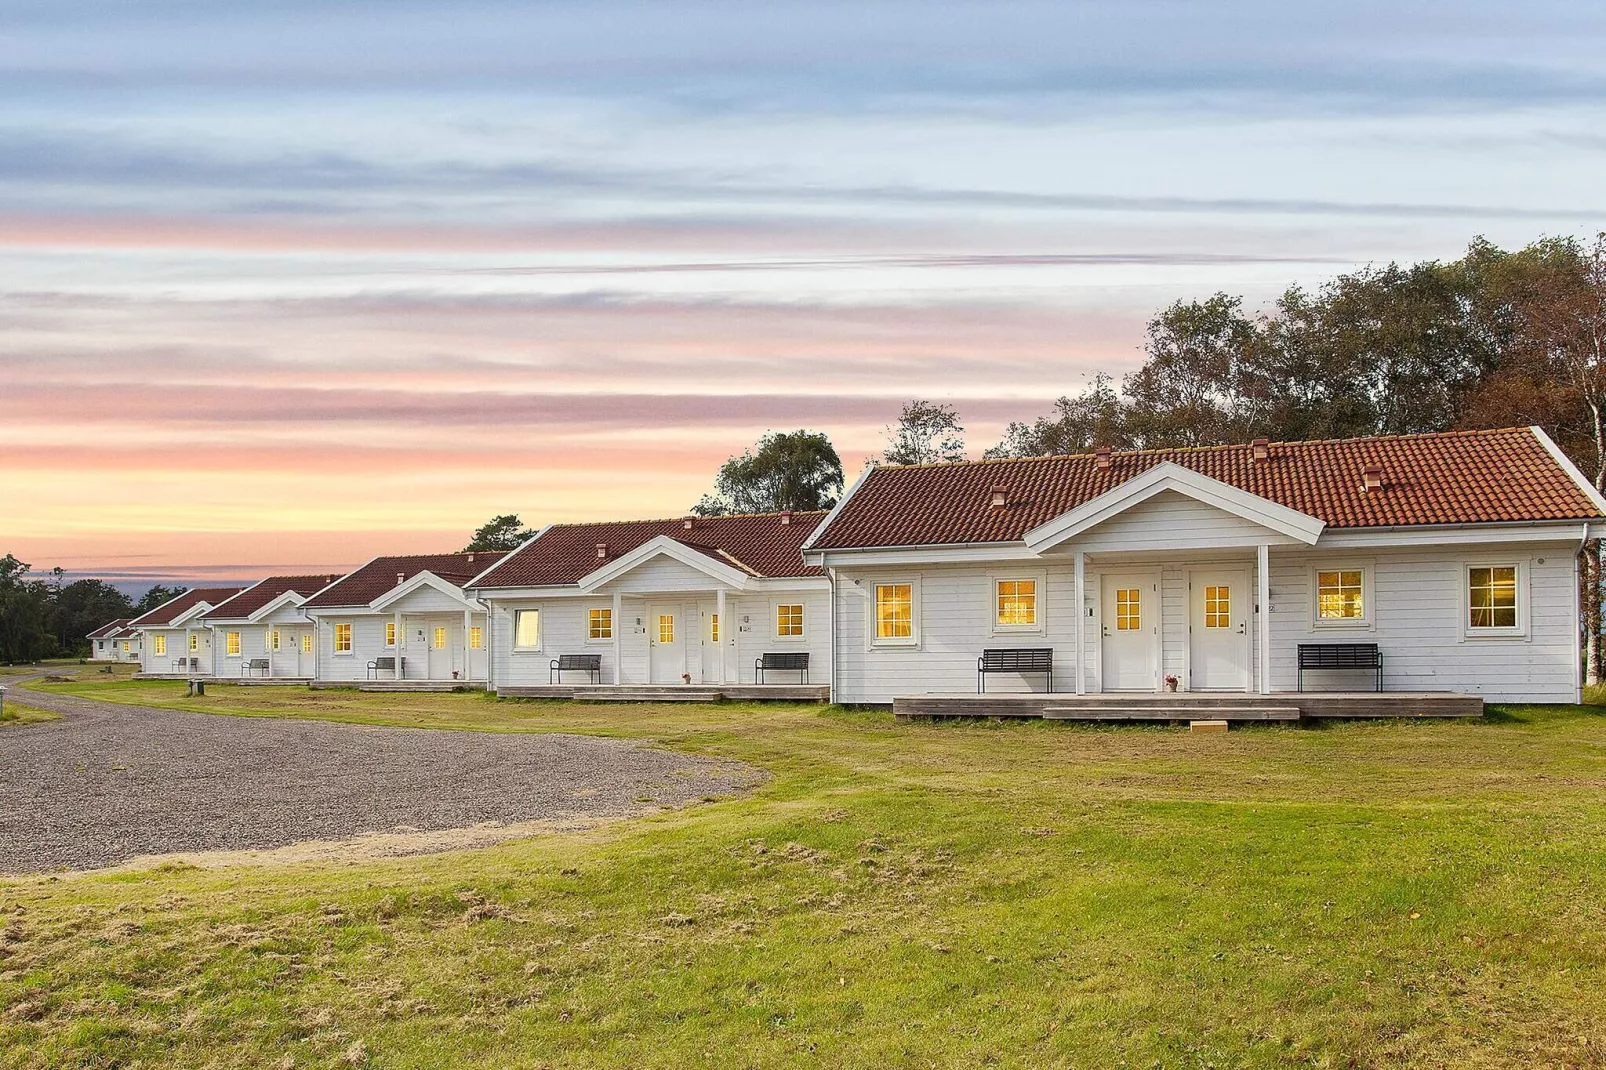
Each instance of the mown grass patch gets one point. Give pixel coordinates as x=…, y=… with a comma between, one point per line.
x=13, y=712
x=960, y=894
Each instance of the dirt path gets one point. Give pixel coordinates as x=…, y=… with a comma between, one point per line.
x=107, y=783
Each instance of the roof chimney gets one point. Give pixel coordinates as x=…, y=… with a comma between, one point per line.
x=686, y=523
x=1262, y=450
x=401, y=578
x=602, y=550
x=471, y=559
x=1000, y=497
x=786, y=517
x=1373, y=475
x=1102, y=457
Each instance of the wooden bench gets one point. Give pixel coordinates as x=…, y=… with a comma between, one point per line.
x=1340, y=656
x=781, y=661
x=256, y=665
x=588, y=663
x=1016, y=660
x=386, y=664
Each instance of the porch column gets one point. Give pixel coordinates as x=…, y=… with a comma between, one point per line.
x=397, y=651
x=618, y=633
x=1081, y=621
x=1263, y=622
x=719, y=611
x=468, y=649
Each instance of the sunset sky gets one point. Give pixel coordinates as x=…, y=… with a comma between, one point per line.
x=286, y=285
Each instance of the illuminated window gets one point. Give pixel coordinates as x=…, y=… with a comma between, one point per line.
x=273, y=639
x=1218, y=607
x=342, y=639
x=195, y=642
x=527, y=629
x=476, y=638
x=1340, y=595
x=894, y=611
x=666, y=627
x=599, y=624
x=1492, y=596
x=788, y=620
x=1017, y=603
x=125, y=646
x=440, y=638
x=390, y=633
x=713, y=627
x=231, y=644
x=306, y=642
x=158, y=645
x=1128, y=609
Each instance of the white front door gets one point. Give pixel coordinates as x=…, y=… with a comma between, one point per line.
x=438, y=635
x=666, y=644
x=712, y=634
x=1218, y=630
x=1129, y=631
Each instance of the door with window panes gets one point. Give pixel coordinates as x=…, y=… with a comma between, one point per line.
x=1130, y=628
x=666, y=644
x=1218, y=630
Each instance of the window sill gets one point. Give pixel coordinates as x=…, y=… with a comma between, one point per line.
x=527, y=650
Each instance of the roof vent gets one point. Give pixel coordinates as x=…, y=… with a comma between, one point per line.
x=786, y=518
x=687, y=523
x=1373, y=475
x=1000, y=497
x=401, y=578
x=1102, y=457
x=471, y=559
x=602, y=550
x=1262, y=450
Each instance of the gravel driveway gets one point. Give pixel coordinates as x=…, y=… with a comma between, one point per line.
x=107, y=782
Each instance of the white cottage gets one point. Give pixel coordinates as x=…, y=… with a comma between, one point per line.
x=261, y=632
x=1425, y=564
x=114, y=642
x=401, y=620
x=173, y=640
x=693, y=600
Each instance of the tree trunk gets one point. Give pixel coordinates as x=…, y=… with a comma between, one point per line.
x=1589, y=577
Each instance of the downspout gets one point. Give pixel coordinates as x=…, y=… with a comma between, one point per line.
x=830, y=574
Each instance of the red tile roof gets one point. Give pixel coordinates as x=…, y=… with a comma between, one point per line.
x=106, y=631
x=758, y=543
x=1457, y=477
x=380, y=575
x=255, y=597
x=167, y=612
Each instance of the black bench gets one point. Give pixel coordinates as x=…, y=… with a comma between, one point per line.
x=1016, y=660
x=591, y=663
x=255, y=665
x=1340, y=656
x=385, y=664
x=781, y=662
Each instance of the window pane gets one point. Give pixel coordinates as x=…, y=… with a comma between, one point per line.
x=390, y=633
x=894, y=611
x=306, y=642
x=1492, y=597
x=476, y=638
x=1017, y=603
x=600, y=624
x=1217, y=607
x=713, y=627
x=343, y=638
x=666, y=628
x=789, y=620
x=526, y=627
x=1339, y=595
x=1128, y=609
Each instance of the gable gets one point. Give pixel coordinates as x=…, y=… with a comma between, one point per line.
x=1171, y=520
x=425, y=598
x=661, y=573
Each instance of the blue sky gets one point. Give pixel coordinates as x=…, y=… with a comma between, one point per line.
x=289, y=284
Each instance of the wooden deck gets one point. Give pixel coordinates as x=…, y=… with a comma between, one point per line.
x=399, y=686
x=672, y=692
x=1194, y=706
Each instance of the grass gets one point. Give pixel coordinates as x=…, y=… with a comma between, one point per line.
x=1420, y=894
x=13, y=712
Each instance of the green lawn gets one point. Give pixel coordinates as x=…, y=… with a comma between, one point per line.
x=1428, y=894
x=13, y=712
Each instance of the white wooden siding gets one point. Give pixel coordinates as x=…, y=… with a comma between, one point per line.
x=368, y=644
x=1171, y=521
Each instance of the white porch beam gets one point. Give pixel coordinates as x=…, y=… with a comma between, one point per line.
x=719, y=612
x=1263, y=620
x=618, y=634
x=468, y=648
x=1081, y=621
x=396, y=651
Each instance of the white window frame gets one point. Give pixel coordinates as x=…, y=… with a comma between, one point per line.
x=273, y=640
x=236, y=640
x=912, y=581
x=1468, y=632
x=1041, y=624
x=476, y=637
x=775, y=620
x=306, y=642
x=586, y=624
x=391, y=632
x=1367, y=621
x=195, y=643
x=540, y=630
x=158, y=646
x=334, y=639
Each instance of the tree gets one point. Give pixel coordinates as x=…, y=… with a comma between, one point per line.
x=924, y=434
x=1200, y=384
x=797, y=470
x=81, y=607
x=1095, y=417
x=159, y=594
x=499, y=533
x=24, y=614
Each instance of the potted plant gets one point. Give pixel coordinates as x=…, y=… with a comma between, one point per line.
x=1170, y=682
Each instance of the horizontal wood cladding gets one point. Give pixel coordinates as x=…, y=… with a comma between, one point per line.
x=1183, y=707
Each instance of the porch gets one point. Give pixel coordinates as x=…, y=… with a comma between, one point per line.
x=1284, y=706
x=394, y=685
x=673, y=693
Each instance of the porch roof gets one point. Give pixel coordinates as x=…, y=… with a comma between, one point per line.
x=258, y=596
x=383, y=574
x=176, y=609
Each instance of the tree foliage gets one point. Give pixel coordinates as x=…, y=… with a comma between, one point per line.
x=926, y=432
x=797, y=470
x=41, y=618
x=159, y=594
x=505, y=532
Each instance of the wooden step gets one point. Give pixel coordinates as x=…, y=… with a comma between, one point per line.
x=1154, y=712
x=667, y=694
